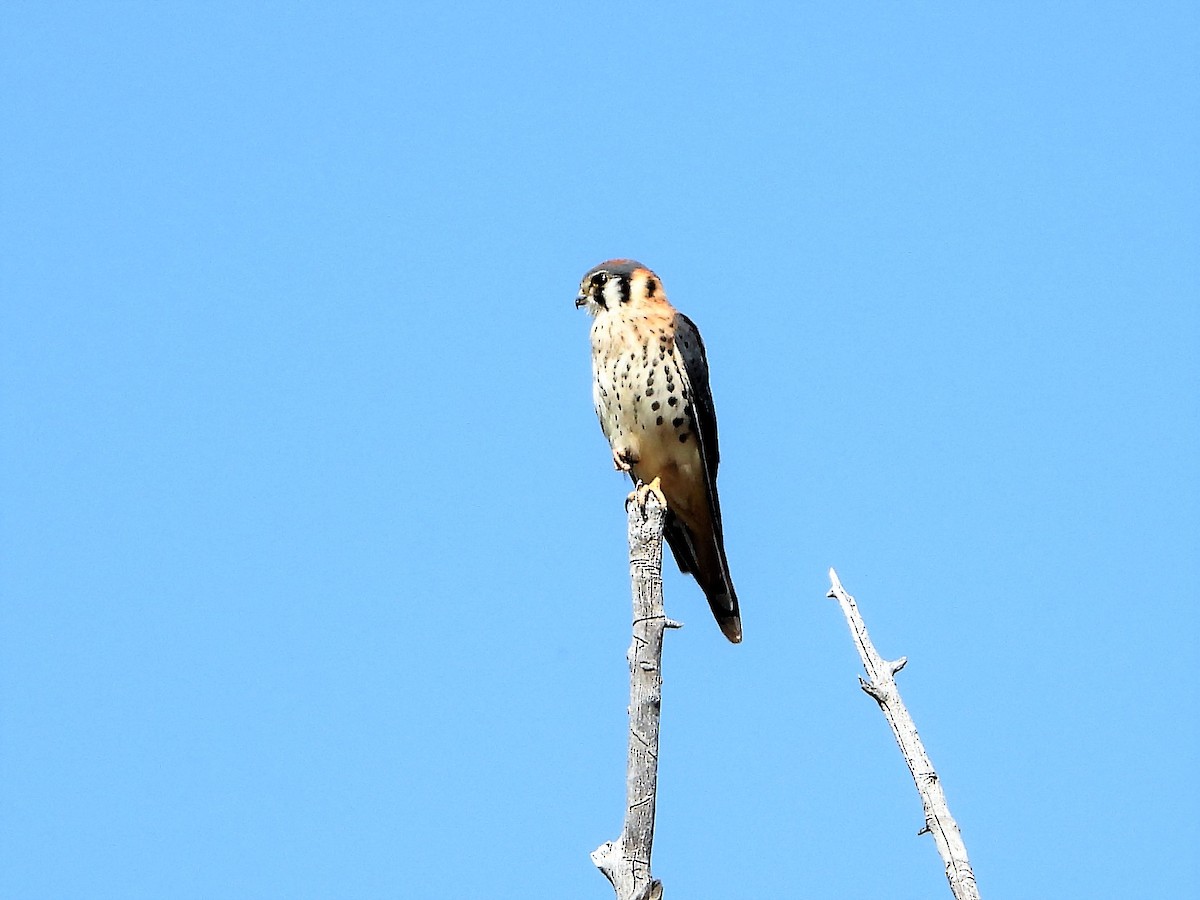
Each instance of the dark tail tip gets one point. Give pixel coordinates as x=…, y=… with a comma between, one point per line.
x=725, y=610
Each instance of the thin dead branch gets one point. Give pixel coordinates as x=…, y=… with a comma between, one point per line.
x=880, y=684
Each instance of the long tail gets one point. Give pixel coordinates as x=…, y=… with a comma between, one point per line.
x=704, y=559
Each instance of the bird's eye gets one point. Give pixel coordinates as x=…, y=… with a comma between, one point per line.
x=599, y=279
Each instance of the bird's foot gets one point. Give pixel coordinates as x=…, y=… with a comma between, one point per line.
x=624, y=459
x=642, y=492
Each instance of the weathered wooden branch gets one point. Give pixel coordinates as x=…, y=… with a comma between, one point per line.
x=626, y=861
x=882, y=687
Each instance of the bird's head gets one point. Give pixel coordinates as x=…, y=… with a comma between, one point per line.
x=619, y=284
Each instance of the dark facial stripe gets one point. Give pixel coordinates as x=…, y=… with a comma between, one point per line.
x=625, y=288
x=596, y=280
x=651, y=287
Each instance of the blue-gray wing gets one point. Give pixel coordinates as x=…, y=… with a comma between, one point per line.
x=690, y=348
x=699, y=544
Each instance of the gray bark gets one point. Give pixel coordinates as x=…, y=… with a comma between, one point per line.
x=882, y=687
x=626, y=861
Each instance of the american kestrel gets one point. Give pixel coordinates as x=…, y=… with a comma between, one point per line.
x=655, y=407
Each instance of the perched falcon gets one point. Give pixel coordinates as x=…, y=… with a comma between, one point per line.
x=654, y=404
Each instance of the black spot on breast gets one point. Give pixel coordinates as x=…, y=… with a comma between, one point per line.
x=683, y=438
x=672, y=401
x=677, y=421
x=649, y=392
x=654, y=406
x=659, y=422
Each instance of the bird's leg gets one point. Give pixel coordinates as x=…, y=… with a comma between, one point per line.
x=624, y=459
x=641, y=493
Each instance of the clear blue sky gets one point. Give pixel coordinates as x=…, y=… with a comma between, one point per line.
x=313, y=565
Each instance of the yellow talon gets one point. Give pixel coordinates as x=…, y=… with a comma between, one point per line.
x=624, y=459
x=640, y=493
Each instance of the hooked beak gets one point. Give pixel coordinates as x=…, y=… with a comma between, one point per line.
x=580, y=299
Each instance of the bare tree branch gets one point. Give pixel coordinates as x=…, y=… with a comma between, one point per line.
x=626, y=861
x=882, y=687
